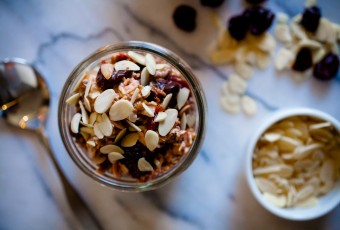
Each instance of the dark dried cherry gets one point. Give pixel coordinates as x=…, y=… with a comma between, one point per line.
x=116, y=77
x=180, y=81
x=238, y=27
x=327, y=68
x=311, y=18
x=212, y=3
x=303, y=60
x=260, y=19
x=171, y=87
x=185, y=18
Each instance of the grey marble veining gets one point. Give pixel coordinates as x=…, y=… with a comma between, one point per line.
x=212, y=193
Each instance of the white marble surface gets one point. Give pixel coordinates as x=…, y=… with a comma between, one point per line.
x=212, y=193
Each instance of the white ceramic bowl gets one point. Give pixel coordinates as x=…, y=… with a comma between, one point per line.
x=325, y=203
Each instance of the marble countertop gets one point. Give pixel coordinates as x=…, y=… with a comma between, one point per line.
x=212, y=193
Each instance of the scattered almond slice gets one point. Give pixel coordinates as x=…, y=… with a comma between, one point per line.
x=87, y=104
x=277, y=200
x=151, y=139
x=107, y=70
x=111, y=148
x=93, y=118
x=104, y=101
x=140, y=59
x=72, y=100
x=130, y=140
x=79, y=82
x=145, y=75
x=161, y=66
x=166, y=101
x=267, y=43
x=229, y=107
x=272, y=137
x=134, y=95
x=237, y=84
x=88, y=130
x=282, y=17
x=91, y=143
x=120, y=110
x=132, y=117
x=266, y=185
x=150, y=64
x=282, y=170
x=148, y=111
x=84, y=116
x=144, y=165
x=105, y=125
x=304, y=193
x=183, y=122
x=134, y=127
x=97, y=131
x=320, y=125
x=284, y=59
x=75, y=121
x=327, y=171
x=182, y=97
x=160, y=117
x=308, y=203
x=165, y=126
x=282, y=33
x=244, y=70
x=287, y=144
x=126, y=65
x=114, y=157
x=262, y=61
x=248, y=105
x=146, y=91
x=120, y=135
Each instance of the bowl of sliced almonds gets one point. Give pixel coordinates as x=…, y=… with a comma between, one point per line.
x=293, y=164
x=132, y=116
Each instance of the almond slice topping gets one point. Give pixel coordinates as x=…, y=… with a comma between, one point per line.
x=104, y=101
x=87, y=104
x=93, y=118
x=182, y=97
x=107, y=70
x=140, y=59
x=237, y=84
x=144, y=166
x=75, y=122
x=120, y=135
x=248, y=105
x=320, y=125
x=148, y=111
x=88, y=87
x=84, y=116
x=134, y=95
x=183, y=121
x=134, y=127
x=150, y=64
x=166, y=100
x=111, y=148
x=120, y=110
x=165, y=126
x=130, y=140
x=146, y=91
x=91, y=143
x=105, y=126
x=126, y=65
x=160, y=117
x=151, y=139
x=115, y=156
x=279, y=201
x=97, y=131
x=73, y=99
x=144, y=77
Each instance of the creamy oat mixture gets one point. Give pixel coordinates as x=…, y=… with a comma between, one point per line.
x=296, y=161
x=134, y=115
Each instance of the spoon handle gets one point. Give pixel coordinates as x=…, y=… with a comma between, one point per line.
x=86, y=218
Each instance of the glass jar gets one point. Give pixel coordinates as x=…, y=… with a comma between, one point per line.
x=78, y=153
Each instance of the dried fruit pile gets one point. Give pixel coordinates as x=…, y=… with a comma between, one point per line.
x=310, y=44
x=297, y=160
x=134, y=115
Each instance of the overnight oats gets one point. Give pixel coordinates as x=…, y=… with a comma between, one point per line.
x=133, y=116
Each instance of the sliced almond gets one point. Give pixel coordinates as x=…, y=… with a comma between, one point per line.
x=98, y=159
x=166, y=101
x=148, y=111
x=183, y=121
x=165, y=126
x=146, y=91
x=140, y=59
x=313, y=45
x=97, y=131
x=134, y=95
x=145, y=75
x=228, y=106
x=304, y=193
x=120, y=110
x=150, y=64
x=160, y=117
x=318, y=55
x=297, y=29
x=75, y=122
x=151, y=139
x=282, y=33
x=266, y=185
x=320, y=125
x=79, y=82
x=283, y=59
x=326, y=32
x=282, y=17
x=72, y=100
x=91, y=143
x=133, y=126
x=327, y=172
x=87, y=130
x=84, y=116
x=111, y=148
x=130, y=140
x=93, y=118
x=106, y=69
x=308, y=203
x=287, y=144
x=248, y=105
x=162, y=66
x=144, y=166
x=88, y=87
x=267, y=43
x=182, y=97
x=114, y=157
x=104, y=101
x=87, y=125
x=277, y=200
x=244, y=70
x=120, y=135
x=237, y=84
x=302, y=151
x=132, y=117
x=263, y=60
x=282, y=170
x=272, y=137
x=86, y=136
x=126, y=65
x=105, y=126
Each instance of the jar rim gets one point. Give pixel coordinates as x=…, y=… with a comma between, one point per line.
x=195, y=87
